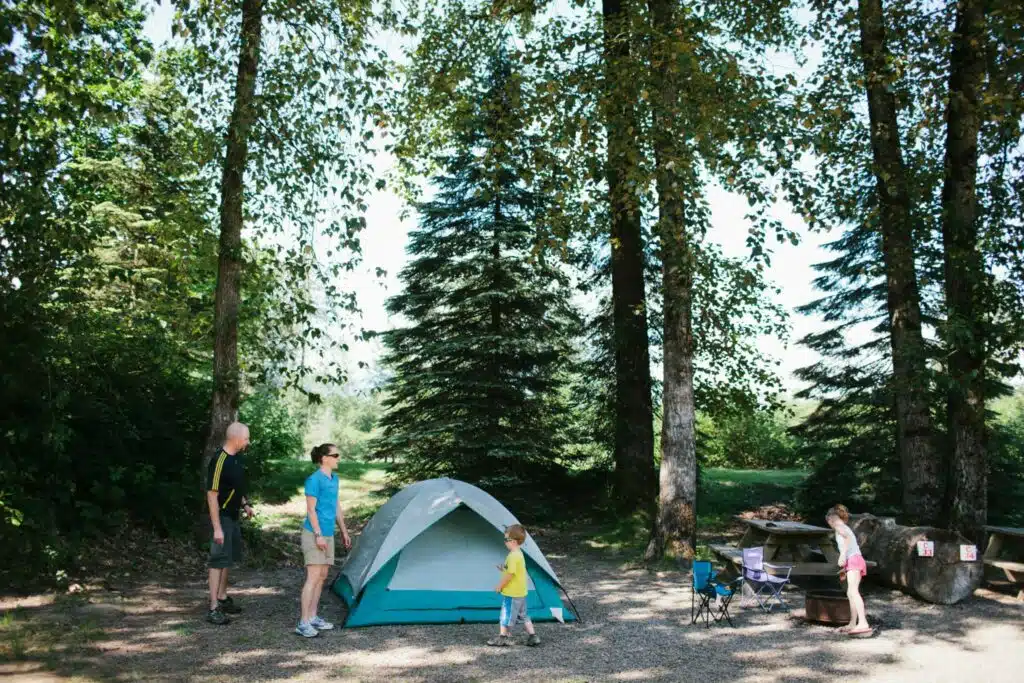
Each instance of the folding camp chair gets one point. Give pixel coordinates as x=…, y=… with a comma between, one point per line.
x=765, y=587
x=707, y=591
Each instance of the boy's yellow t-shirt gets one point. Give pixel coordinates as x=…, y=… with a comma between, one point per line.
x=515, y=564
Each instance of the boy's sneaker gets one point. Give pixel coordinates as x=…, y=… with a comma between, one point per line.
x=533, y=640
x=306, y=630
x=228, y=606
x=500, y=641
x=216, y=616
x=320, y=625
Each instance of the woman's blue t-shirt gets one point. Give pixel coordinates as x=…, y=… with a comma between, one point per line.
x=325, y=490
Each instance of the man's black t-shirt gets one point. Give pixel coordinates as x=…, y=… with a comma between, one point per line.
x=227, y=477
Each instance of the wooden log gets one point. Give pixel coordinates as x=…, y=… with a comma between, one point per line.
x=942, y=579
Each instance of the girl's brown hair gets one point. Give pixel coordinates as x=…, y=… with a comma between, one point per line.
x=318, y=452
x=839, y=510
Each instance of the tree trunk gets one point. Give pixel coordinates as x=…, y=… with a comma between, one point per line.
x=634, y=431
x=965, y=275
x=943, y=579
x=675, y=526
x=229, y=271
x=920, y=464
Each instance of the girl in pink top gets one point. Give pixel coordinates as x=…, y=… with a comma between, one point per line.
x=853, y=566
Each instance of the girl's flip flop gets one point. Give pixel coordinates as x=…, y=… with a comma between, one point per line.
x=861, y=633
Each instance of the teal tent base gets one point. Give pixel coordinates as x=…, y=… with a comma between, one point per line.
x=379, y=606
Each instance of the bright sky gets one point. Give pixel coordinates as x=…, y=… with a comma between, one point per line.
x=386, y=235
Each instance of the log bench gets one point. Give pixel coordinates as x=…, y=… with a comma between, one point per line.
x=941, y=577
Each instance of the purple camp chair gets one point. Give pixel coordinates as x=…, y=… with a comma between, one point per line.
x=765, y=587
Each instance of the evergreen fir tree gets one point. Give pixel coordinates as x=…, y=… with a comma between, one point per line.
x=478, y=368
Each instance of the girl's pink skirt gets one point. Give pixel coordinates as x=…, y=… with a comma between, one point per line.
x=857, y=564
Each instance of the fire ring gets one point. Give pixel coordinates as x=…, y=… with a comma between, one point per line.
x=827, y=606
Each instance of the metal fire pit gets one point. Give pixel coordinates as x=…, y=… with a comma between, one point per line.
x=827, y=606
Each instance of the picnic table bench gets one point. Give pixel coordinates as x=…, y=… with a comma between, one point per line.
x=1002, y=570
x=808, y=549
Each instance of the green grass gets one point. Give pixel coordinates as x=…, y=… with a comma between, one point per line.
x=358, y=491
x=724, y=493
x=281, y=507
x=283, y=479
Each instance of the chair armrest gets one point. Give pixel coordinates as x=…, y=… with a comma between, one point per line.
x=737, y=580
x=785, y=569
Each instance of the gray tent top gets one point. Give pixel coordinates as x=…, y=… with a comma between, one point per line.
x=415, y=508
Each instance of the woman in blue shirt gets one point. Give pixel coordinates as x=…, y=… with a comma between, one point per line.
x=323, y=511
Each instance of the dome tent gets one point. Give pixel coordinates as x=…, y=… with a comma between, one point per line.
x=429, y=555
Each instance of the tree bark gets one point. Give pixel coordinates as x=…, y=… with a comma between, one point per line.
x=920, y=464
x=634, y=481
x=675, y=526
x=965, y=276
x=224, y=408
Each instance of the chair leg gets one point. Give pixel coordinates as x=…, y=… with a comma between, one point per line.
x=762, y=602
x=725, y=610
x=777, y=594
x=702, y=607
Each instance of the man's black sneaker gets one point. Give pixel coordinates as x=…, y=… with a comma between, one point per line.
x=500, y=641
x=228, y=606
x=216, y=616
x=533, y=640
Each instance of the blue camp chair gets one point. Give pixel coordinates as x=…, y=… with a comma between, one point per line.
x=705, y=590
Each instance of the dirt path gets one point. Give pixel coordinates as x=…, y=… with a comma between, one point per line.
x=636, y=628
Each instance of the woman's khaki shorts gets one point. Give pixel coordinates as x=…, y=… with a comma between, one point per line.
x=314, y=555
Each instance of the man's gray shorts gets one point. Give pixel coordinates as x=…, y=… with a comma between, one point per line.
x=223, y=556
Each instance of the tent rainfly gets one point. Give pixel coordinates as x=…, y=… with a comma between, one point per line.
x=428, y=557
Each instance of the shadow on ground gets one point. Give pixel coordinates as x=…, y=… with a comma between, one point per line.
x=636, y=627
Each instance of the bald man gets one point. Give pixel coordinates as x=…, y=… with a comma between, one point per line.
x=225, y=496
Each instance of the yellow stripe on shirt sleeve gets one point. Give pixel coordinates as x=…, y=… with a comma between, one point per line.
x=216, y=472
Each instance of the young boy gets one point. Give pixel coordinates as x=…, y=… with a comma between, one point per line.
x=323, y=511
x=513, y=590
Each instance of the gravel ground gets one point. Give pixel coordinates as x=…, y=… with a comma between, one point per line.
x=636, y=628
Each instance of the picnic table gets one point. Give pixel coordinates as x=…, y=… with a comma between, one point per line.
x=809, y=549
x=1005, y=548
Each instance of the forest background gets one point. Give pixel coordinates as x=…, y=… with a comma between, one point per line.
x=502, y=241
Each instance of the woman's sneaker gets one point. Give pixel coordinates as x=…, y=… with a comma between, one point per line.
x=533, y=640
x=306, y=630
x=321, y=625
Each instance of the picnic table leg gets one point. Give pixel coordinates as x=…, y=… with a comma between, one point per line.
x=752, y=538
x=995, y=546
x=829, y=551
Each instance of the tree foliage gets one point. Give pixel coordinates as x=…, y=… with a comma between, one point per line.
x=477, y=367
x=107, y=269
x=852, y=434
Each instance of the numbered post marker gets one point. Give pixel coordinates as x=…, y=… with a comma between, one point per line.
x=968, y=553
x=926, y=548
